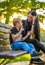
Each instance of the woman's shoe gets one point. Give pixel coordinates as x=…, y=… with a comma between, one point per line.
x=36, y=54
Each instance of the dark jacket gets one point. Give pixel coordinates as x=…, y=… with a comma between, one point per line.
x=27, y=27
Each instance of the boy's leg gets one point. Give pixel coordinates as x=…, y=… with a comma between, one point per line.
x=16, y=45
x=31, y=46
x=27, y=48
x=24, y=46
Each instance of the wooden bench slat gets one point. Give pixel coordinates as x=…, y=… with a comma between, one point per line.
x=8, y=26
x=4, y=36
x=5, y=25
x=4, y=42
x=3, y=54
x=12, y=54
x=5, y=48
x=3, y=30
x=2, y=24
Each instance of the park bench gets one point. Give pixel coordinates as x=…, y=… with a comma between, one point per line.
x=5, y=50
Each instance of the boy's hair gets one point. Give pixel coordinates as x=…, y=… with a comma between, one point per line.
x=15, y=21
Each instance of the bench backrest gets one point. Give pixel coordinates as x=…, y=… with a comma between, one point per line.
x=4, y=36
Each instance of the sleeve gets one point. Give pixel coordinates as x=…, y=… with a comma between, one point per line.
x=13, y=31
x=24, y=34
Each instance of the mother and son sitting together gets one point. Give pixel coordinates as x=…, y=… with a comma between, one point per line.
x=21, y=33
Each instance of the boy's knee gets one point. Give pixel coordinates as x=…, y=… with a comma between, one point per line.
x=31, y=44
x=24, y=43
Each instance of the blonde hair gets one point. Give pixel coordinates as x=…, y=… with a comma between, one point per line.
x=15, y=21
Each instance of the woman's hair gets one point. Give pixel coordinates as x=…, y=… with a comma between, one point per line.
x=33, y=12
x=37, y=30
x=15, y=21
x=36, y=26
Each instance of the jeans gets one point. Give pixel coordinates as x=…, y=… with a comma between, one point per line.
x=23, y=45
x=38, y=46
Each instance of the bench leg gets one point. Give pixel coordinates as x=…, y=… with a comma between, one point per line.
x=2, y=61
x=7, y=61
x=31, y=62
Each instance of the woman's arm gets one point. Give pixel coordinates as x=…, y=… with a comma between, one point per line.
x=32, y=29
x=28, y=34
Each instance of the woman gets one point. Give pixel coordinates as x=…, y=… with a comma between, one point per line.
x=16, y=39
x=32, y=25
x=36, y=26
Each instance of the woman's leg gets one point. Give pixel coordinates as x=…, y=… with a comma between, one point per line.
x=37, y=44
x=31, y=46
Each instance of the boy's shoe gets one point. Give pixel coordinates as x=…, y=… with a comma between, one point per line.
x=36, y=54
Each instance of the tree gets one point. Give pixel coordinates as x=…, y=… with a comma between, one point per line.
x=8, y=7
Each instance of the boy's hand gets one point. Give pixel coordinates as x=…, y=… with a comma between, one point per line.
x=22, y=29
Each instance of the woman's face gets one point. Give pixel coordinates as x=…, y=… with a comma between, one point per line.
x=29, y=18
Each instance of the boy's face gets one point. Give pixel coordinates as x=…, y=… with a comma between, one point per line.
x=20, y=24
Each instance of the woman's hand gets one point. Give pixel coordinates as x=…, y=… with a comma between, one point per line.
x=34, y=18
x=28, y=33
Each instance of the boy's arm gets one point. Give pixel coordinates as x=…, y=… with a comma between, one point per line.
x=15, y=36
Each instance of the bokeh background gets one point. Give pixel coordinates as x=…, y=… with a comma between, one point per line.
x=10, y=9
